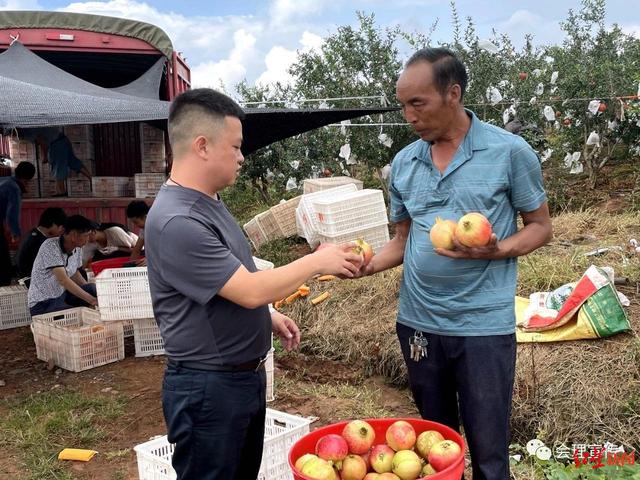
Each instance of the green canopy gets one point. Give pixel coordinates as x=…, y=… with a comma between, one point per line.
x=92, y=23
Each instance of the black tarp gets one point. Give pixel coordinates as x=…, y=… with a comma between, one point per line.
x=35, y=93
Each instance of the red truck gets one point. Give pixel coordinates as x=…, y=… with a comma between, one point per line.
x=110, y=53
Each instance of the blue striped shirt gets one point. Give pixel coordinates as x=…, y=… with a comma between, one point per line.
x=493, y=172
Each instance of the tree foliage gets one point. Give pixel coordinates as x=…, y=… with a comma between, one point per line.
x=593, y=63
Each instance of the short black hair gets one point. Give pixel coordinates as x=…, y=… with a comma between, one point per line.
x=207, y=99
x=137, y=209
x=448, y=70
x=25, y=171
x=52, y=216
x=79, y=224
x=199, y=101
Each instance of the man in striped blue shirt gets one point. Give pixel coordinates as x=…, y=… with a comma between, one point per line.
x=461, y=301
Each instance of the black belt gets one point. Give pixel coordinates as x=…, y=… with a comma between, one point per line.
x=254, y=365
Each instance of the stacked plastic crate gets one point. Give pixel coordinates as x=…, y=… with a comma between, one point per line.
x=306, y=218
x=77, y=340
x=311, y=185
x=353, y=215
x=14, y=311
x=124, y=296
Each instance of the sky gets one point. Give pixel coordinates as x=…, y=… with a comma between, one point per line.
x=227, y=41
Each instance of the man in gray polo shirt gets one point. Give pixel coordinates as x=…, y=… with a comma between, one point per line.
x=211, y=302
x=56, y=282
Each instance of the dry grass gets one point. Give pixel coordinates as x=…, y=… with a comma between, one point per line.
x=572, y=392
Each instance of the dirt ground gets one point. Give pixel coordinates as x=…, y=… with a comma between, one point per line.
x=139, y=381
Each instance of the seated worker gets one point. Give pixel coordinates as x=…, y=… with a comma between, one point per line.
x=50, y=225
x=137, y=212
x=109, y=240
x=56, y=282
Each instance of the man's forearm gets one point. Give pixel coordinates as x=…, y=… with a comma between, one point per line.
x=530, y=238
x=391, y=255
x=73, y=288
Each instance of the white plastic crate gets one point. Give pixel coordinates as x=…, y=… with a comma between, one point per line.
x=285, y=215
x=306, y=218
x=376, y=236
x=311, y=185
x=355, y=210
x=77, y=340
x=123, y=294
x=147, y=338
x=269, y=225
x=14, y=310
x=127, y=328
x=147, y=185
x=263, y=264
x=255, y=233
x=269, y=367
x=282, y=430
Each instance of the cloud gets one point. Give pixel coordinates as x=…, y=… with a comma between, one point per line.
x=633, y=30
x=523, y=22
x=279, y=59
x=228, y=71
x=282, y=12
x=20, y=5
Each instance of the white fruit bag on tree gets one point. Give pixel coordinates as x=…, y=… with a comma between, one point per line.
x=593, y=107
x=539, y=89
x=345, y=151
x=488, y=46
x=291, y=184
x=385, y=140
x=548, y=113
x=546, y=155
x=493, y=95
x=594, y=139
x=554, y=78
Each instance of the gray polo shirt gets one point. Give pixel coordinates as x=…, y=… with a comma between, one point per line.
x=44, y=285
x=193, y=247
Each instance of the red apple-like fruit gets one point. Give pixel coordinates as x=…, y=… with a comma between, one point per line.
x=364, y=249
x=353, y=468
x=443, y=454
x=474, y=230
x=442, y=233
x=332, y=448
x=426, y=440
x=523, y=75
x=401, y=435
x=371, y=476
x=381, y=458
x=359, y=436
x=602, y=107
x=406, y=464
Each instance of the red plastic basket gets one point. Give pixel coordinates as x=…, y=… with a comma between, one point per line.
x=118, y=262
x=307, y=444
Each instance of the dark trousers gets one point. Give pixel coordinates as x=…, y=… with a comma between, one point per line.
x=64, y=302
x=470, y=377
x=216, y=420
x=6, y=270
